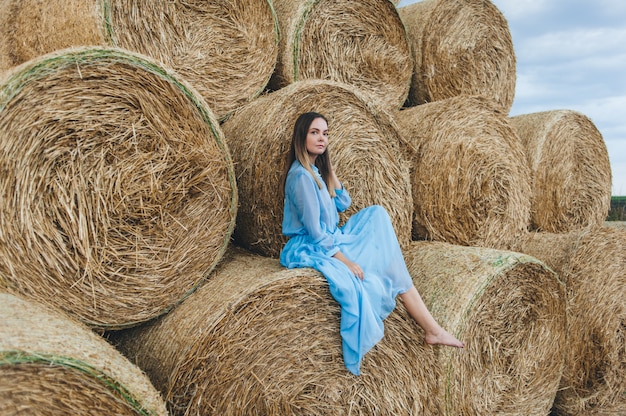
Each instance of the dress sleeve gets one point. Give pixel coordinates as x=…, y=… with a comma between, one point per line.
x=304, y=191
x=342, y=199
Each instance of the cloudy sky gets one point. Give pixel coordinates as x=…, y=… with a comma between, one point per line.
x=571, y=54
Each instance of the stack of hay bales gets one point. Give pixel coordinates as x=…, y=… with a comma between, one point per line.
x=129, y=192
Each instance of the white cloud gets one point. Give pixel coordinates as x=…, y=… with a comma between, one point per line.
x=521, y=9
x=578, y=42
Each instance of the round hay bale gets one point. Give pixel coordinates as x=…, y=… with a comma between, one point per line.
x=459, y=47
x=227, y=50
x=509, y=309
x=592, y=263
x=362, y=43
x=366, y=155
x=570, y=170
x=470, y=180
x=118, y=193
x=52, y=365
x=259, y=336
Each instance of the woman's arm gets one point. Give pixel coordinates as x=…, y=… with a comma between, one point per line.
x=354, y=268
x=303, y=193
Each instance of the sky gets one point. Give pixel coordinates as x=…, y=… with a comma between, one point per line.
x=571, y=54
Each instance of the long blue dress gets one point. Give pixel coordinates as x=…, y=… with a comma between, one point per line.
x=311, y=221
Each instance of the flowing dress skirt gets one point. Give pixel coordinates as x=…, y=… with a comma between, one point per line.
x=368, y=239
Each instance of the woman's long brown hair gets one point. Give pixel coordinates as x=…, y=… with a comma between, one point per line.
x=298, y=151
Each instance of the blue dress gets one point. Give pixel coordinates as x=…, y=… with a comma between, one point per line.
x=311, y=221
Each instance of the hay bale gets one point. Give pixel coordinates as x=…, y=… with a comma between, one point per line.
x=52, y=365
x=459, y=47
x=118, y=193
x=593, y=266
x=570, y=170
x=366, y=155
x=362, y=43
x=509, y=309
x=262, y=337
x=227, y=50
x=470, y=180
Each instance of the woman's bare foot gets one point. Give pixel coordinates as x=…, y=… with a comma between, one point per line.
x=443, y=337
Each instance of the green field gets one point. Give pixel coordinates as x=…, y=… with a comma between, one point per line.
x=618, y=209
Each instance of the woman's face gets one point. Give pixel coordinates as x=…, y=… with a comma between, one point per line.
x=317, y=138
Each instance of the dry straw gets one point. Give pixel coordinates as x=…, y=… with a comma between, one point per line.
x=470, y=179
x=227, y=50
x=118, y=193
x=570, y=170
x=362, y=43
x=259, y=338
x=365, y=148
x=593, y=267
x=459, y=47
x=615, y=224
x=509, y=309
x=53, y=365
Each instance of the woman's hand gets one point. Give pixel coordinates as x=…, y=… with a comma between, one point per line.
x=354, y=267
x=333, y=176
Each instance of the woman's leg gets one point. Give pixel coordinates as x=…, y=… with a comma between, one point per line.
x=435, y=334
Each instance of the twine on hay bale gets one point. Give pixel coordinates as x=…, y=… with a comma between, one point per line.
x=53, y=365
x=366, y=154
x=470, y=180
x=118, y=193
x=259, y=336
x=509, y=309
x=570, y=170
x=362, y=43
x=592, y=263
x=459, y=47
x=227, y=50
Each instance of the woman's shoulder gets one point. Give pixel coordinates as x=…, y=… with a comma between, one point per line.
x=297, y=169
x=298, y=173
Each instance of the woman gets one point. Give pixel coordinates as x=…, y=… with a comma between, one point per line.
x=361, y=261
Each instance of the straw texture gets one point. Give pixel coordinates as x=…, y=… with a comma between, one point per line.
x=615, y=224
x=118, y=193
x=52, y=365
x=364, y=142
x=509, y=309
x=361, y=43
x=227, y=50
x=470, y=180
x=460, y=47
x=593, y=267
x=570, y=169
x=259, y=338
